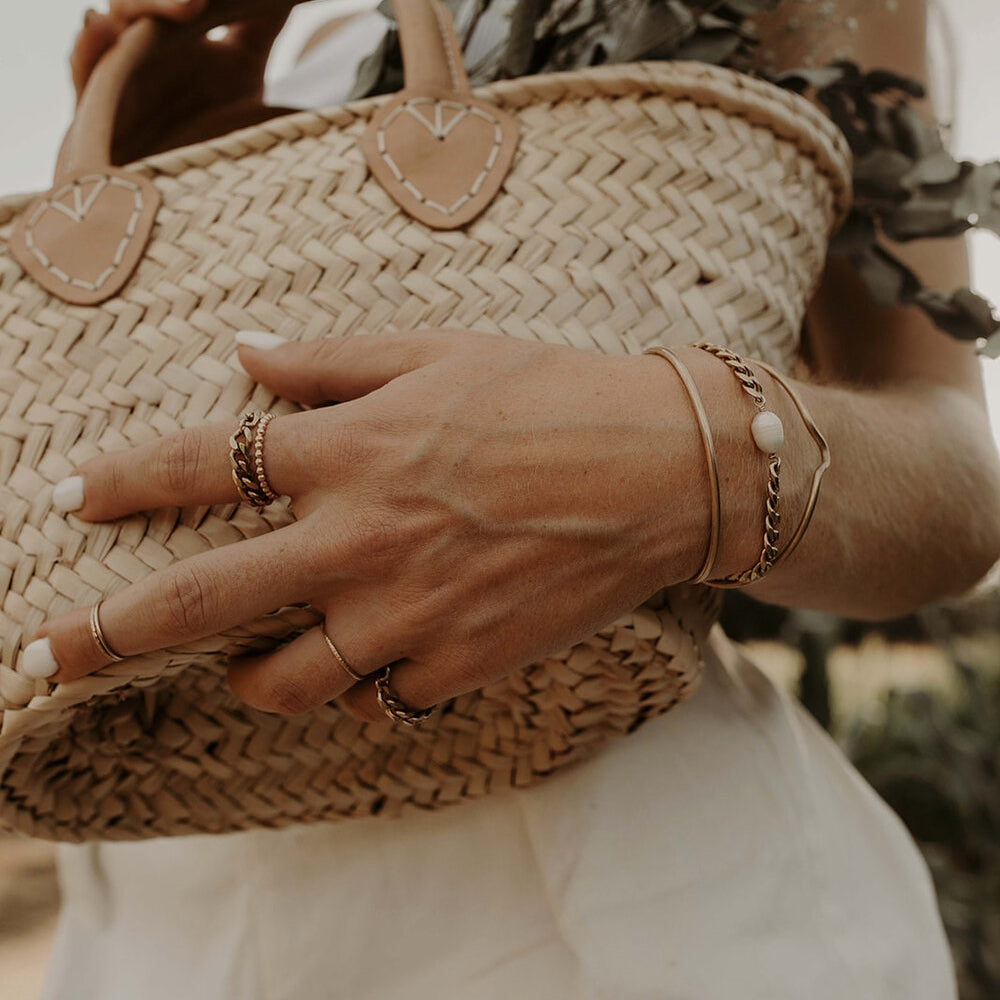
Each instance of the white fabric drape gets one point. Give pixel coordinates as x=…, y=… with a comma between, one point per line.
x=723, y=851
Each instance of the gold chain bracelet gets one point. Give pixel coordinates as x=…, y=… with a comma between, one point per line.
x=769, y=435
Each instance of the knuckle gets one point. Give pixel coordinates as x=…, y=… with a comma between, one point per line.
x=177, y=464
x=347, y=445
x=328, y=350
x=361, y=703
x=326, y=355
x=107, y=481
x=288, y=696
x=410, y=351
x=337, y=451
x=463, y=666
x=419, y=609
x=374, y=539
x=185, y=603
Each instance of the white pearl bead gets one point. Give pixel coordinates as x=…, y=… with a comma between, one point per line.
x=768, y=432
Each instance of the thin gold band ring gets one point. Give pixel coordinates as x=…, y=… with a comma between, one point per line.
x=97, y=633
x=339, y=657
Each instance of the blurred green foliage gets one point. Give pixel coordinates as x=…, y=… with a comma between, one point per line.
x=933, y=755
x=936, y=761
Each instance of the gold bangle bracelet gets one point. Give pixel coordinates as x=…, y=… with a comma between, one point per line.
x=713, y=468
x=824, y=451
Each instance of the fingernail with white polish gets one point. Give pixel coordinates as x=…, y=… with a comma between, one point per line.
x=259, y=339
x=37, y=660
x=68, y=494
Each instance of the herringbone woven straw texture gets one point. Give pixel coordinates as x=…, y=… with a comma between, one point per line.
x=648, y=203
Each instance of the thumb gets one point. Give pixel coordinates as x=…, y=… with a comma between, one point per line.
x=336, y=369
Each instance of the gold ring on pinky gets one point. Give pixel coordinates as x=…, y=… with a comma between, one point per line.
x=394, y=706
x=98, y=635
x=246, y=455
x=339, y=657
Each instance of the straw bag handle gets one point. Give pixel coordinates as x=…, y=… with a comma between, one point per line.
x=439, y=152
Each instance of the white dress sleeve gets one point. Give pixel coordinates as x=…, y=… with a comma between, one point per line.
x=325, y=76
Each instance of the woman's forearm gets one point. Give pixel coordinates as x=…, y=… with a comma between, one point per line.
x=909, y=510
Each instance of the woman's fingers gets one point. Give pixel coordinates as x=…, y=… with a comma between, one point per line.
x=307, y=673
x=127, y=11
x=100, y=31
x=342, y=658
x=416, y=685
x=197, y=597
x=193, y=467
x=96, y=37
x=183, y=469
x=335, y=369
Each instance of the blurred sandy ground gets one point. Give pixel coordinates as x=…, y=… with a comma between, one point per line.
x=28, y=902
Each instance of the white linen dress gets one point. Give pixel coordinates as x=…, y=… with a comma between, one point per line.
x=725, y=851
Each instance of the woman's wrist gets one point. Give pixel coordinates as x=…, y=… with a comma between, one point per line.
x=679, y=501
x=742, y=467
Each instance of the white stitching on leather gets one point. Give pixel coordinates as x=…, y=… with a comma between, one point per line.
x=452, y=72
x=77, y=214
x=439, y=131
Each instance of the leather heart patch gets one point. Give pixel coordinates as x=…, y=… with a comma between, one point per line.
x=82, y=240
x=441, y=158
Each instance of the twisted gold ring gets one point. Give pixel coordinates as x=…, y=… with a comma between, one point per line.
x=246, y=455
x=394, y=706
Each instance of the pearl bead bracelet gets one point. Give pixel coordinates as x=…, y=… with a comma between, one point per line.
x=768, y=434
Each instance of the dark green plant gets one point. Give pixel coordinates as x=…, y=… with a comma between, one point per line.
x=934, y=758
x=936, y=761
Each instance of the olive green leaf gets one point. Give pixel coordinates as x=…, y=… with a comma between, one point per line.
x=963, y=314
x=655, y=28
x=938, y=167
x=521, y=39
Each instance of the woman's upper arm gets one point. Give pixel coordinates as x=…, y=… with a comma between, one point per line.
x=849, y=338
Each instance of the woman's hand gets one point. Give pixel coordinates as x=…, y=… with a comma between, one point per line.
x=478, y=503
x=191, y=87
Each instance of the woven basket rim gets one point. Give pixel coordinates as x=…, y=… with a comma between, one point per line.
x=791, y=116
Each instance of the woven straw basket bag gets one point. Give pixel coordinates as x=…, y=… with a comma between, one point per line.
x=608, y=209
